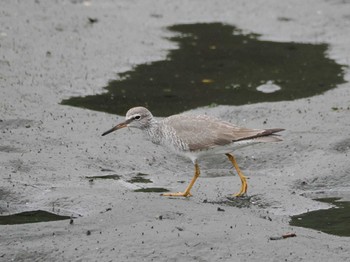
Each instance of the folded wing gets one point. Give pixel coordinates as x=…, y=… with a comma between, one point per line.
x=204, y=132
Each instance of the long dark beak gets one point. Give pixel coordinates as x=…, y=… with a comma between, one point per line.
x=119, y=126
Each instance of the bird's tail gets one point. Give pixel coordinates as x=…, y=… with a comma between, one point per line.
x=268, y=135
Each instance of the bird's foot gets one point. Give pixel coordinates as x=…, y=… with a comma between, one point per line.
x=243, y=191
x=240, y=194
x=178, y=194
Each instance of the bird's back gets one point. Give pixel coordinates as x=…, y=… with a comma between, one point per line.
x=195, y=133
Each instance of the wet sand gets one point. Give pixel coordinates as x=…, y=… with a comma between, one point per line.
x=50, y=51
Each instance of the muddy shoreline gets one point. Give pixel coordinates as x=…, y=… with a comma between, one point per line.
x=51, y=51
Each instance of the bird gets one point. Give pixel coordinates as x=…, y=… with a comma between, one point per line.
x=197, y=136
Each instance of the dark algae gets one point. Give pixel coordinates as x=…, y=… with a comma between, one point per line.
x=335, y=221
x=217, y=64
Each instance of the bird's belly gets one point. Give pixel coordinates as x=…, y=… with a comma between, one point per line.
x=229, y=148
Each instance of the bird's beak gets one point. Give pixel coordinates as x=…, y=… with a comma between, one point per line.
x=119, y=126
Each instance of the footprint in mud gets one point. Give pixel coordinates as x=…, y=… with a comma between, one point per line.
x=240, y=202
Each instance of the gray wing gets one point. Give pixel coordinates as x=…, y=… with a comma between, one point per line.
x=203, y=132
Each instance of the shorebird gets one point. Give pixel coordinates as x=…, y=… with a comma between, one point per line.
x=196, y=136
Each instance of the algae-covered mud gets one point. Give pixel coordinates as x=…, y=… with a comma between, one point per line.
x=53, y=158
x=217, y=64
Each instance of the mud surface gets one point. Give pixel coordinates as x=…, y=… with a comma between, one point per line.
x=51, y=51
x=217, y=64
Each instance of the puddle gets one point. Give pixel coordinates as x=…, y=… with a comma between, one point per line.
x=140, y=178
x=152, y=190
x=35, y=216
x=216, y=64
x=115, y=177
x=334, y=221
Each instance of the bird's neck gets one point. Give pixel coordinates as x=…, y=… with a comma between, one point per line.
x=153, y=131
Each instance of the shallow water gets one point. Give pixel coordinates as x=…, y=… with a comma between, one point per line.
x=115, y=177
x=35, y=216
x=335, y=221
x=152, y=190
x=218, y=64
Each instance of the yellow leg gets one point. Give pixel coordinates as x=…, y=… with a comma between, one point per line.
x=244, y=186
x=187, y=192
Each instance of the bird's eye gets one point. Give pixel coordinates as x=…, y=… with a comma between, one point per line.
x=137, y=117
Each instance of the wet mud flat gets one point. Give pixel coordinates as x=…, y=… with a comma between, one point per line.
x=53, y=154
x=218, y=64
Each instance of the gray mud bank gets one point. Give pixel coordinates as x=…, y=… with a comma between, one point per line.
x=51, y=51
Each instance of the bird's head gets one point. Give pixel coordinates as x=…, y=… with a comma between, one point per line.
x=136, y=117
